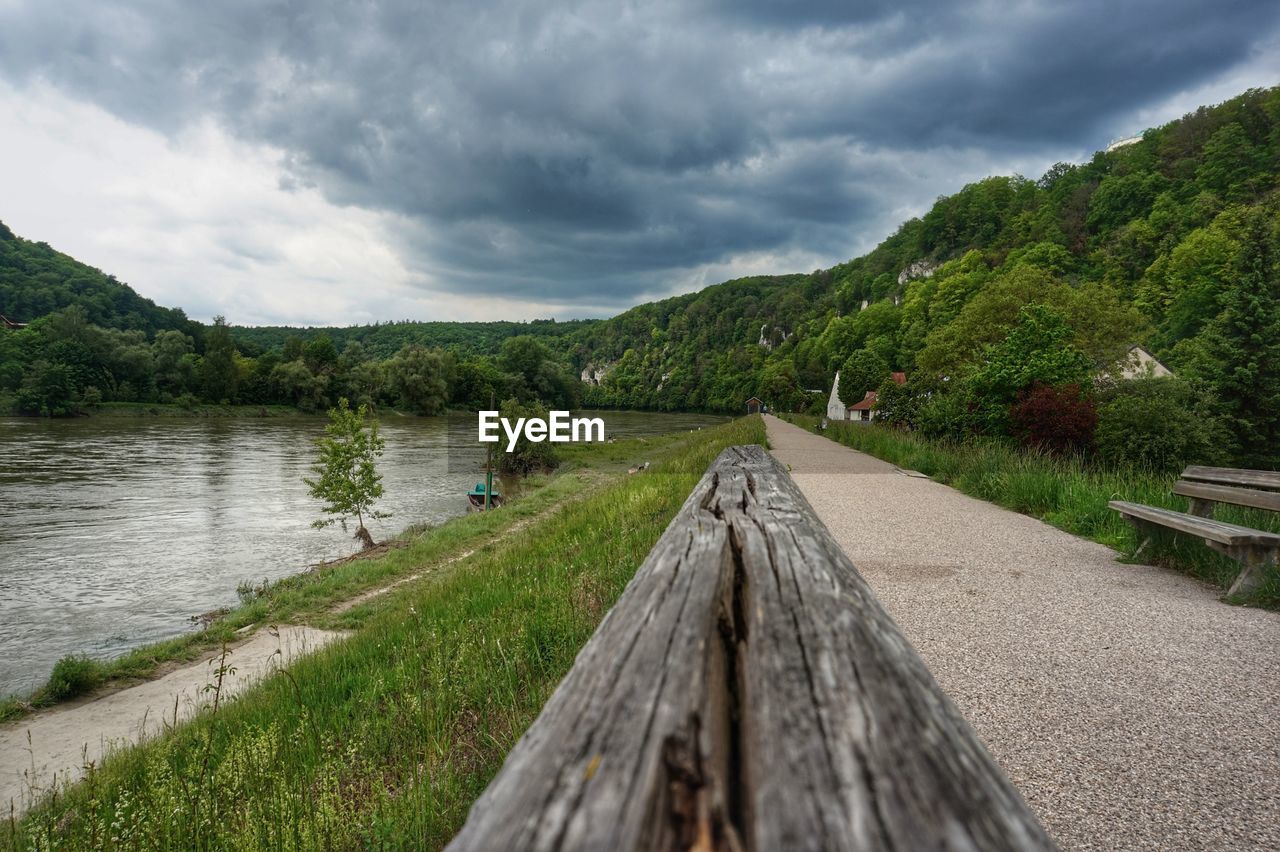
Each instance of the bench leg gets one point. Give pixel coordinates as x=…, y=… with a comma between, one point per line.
x=1254, y=562
x=1201, y=508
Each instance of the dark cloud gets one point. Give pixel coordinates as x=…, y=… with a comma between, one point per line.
x=588, y=152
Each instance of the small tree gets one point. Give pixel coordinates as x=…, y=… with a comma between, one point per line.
x=528, y=456
x=864, y=370
x=347, y=478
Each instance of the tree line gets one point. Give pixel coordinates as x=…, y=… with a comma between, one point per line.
x=63, y=364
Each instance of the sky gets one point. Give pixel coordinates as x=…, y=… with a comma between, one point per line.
x=307, y=163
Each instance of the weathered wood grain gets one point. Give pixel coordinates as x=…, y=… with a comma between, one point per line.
x=1206, y=493
x=749, y=692
x=1267, y=480
x=1219, y=532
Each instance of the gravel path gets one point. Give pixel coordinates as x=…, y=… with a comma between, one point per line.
x=1130, y=706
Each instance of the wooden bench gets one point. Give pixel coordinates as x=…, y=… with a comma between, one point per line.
x=748, y=692
x=1205, y=487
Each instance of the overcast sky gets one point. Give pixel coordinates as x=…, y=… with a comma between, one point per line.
x=306, y=163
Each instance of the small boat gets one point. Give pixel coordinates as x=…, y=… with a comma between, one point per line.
x=476, y=497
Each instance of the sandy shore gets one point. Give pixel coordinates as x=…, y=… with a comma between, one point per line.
x=50, y=748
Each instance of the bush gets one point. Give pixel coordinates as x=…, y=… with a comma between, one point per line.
x=945, y=416
x=73, y=675
x=528, y=456
x=1159, y=424
x=1059, y=420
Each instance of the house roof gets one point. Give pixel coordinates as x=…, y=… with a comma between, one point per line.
x=899, y=378
x=867, y=402
x=753, y=399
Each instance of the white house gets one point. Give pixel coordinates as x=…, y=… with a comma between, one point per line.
x=835, y=408
x=863, y=410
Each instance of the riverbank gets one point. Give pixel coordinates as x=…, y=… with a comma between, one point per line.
x=386, y=737
x=1065, y=493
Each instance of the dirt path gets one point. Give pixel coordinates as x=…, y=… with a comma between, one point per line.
x=52, y=746
x=1130, y=706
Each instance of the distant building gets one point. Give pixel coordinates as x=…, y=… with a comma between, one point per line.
x=835, y=408
x=863, y=410
x=754, y=406
x=1141, y=364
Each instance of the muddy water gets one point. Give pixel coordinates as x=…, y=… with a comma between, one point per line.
x=115, y=531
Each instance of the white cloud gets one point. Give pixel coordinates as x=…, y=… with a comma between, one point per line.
x=205, y=222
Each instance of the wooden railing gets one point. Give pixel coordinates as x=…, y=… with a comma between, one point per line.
x=748, y=692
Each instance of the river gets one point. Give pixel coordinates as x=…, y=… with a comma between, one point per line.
x=114, y=531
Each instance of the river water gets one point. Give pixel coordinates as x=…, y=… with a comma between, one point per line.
x=114, y=531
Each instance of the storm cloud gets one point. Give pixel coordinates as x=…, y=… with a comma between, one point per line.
x=587, y=155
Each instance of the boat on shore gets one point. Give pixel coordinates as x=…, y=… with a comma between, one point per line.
x=476, y=497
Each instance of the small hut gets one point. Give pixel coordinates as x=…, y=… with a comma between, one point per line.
x=754, y=406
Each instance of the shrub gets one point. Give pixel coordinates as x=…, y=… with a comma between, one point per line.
x=1059, y=419
x=528, y=456
x=73, y=675
x=945, y=416
x=1159, y=424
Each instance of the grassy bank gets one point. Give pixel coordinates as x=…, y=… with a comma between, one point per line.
x=1067, y=493
x=385, y=739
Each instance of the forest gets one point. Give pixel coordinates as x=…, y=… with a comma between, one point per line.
x=1008, y=305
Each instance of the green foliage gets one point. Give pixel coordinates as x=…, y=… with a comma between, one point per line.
x=347, y=479
x=528, y=456
x=1161, y=425
x=420, y=378
x=219, y=375
x=36, y=281
x=1037, y=351
x=1243, y=346
x=535, y=373
x=945, y=416
x=72, y=676
x=863, y=371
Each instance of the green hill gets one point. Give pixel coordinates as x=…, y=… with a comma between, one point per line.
x=1168, y=242
x=36, y=280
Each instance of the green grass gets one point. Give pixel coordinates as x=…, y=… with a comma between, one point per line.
x=384, y=740
x=1067, y=493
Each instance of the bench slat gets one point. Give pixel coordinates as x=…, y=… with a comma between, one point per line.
x=1268, y=480
x=1232, y=535
x=1226, y=494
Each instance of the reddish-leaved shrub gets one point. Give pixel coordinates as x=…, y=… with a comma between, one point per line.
x=1056, y=419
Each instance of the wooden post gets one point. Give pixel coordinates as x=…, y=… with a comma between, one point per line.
x=1253, y=566
x=1200, y=508
x=748, y=692
x=488, y=466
